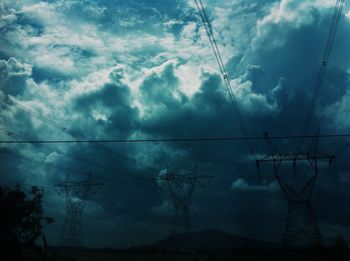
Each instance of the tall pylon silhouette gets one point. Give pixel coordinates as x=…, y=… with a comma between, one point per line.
x=181, y=188
x=301, y=226
x=75, y=194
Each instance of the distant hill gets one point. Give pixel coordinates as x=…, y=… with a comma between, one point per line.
x=211, y=238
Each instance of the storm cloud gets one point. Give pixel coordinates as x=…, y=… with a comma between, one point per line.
x=144, y=69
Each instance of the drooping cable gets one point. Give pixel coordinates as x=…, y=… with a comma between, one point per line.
x=58, y=167
x=208, y=139
x=75, y=135
x=325, y=58
x=69, y=155
x=218, y=57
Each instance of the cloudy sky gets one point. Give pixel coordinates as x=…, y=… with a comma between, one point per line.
x=128, y=69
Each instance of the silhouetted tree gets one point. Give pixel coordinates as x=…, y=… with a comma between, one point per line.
x=340, y=243
x=21, y=220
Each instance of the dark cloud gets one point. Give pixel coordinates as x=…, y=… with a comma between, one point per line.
x=335, y=86
x=114, y=99
x=122, y=69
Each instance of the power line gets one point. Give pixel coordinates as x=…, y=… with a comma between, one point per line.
x=39, y=116
x=212, y=40
x=218, y=57
x=12, y=154
x=65, y=154
x=209, y=139
x=72, y=133
x=322, y=71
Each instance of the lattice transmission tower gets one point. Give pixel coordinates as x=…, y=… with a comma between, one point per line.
x=181, y=188
x=301, y=226
x=75, y=194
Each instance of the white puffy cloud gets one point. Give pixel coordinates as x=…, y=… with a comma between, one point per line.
x=7, y=19
x=338, y=113
x=348, y=15
x=284, y=16
x=42, y=12
x=294, y=12
x=12, y=67
x=14, y=76
x=250, y=101
x=167, y=79
x=242, y=184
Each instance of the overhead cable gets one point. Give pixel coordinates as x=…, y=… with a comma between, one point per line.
x=72, y=133
x=20, y=139
x=224, y=74
x=325, y=59
x=209, y=139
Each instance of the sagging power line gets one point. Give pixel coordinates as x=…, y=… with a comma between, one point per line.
x=208, y=28
x=301, y=223
x=209, y=139
x=70, y=155
x=74, y=134
x=9, y=153
x=324, y=62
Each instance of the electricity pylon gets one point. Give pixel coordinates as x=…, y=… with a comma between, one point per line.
x=301, y=223
x=75, y=194
x=181, y=187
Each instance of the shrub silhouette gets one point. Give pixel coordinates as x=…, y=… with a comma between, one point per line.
x=21, y=222
x=340, y=243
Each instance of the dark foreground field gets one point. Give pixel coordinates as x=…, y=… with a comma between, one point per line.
x=204, y=245
x=80, y=254
x=201, y=245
